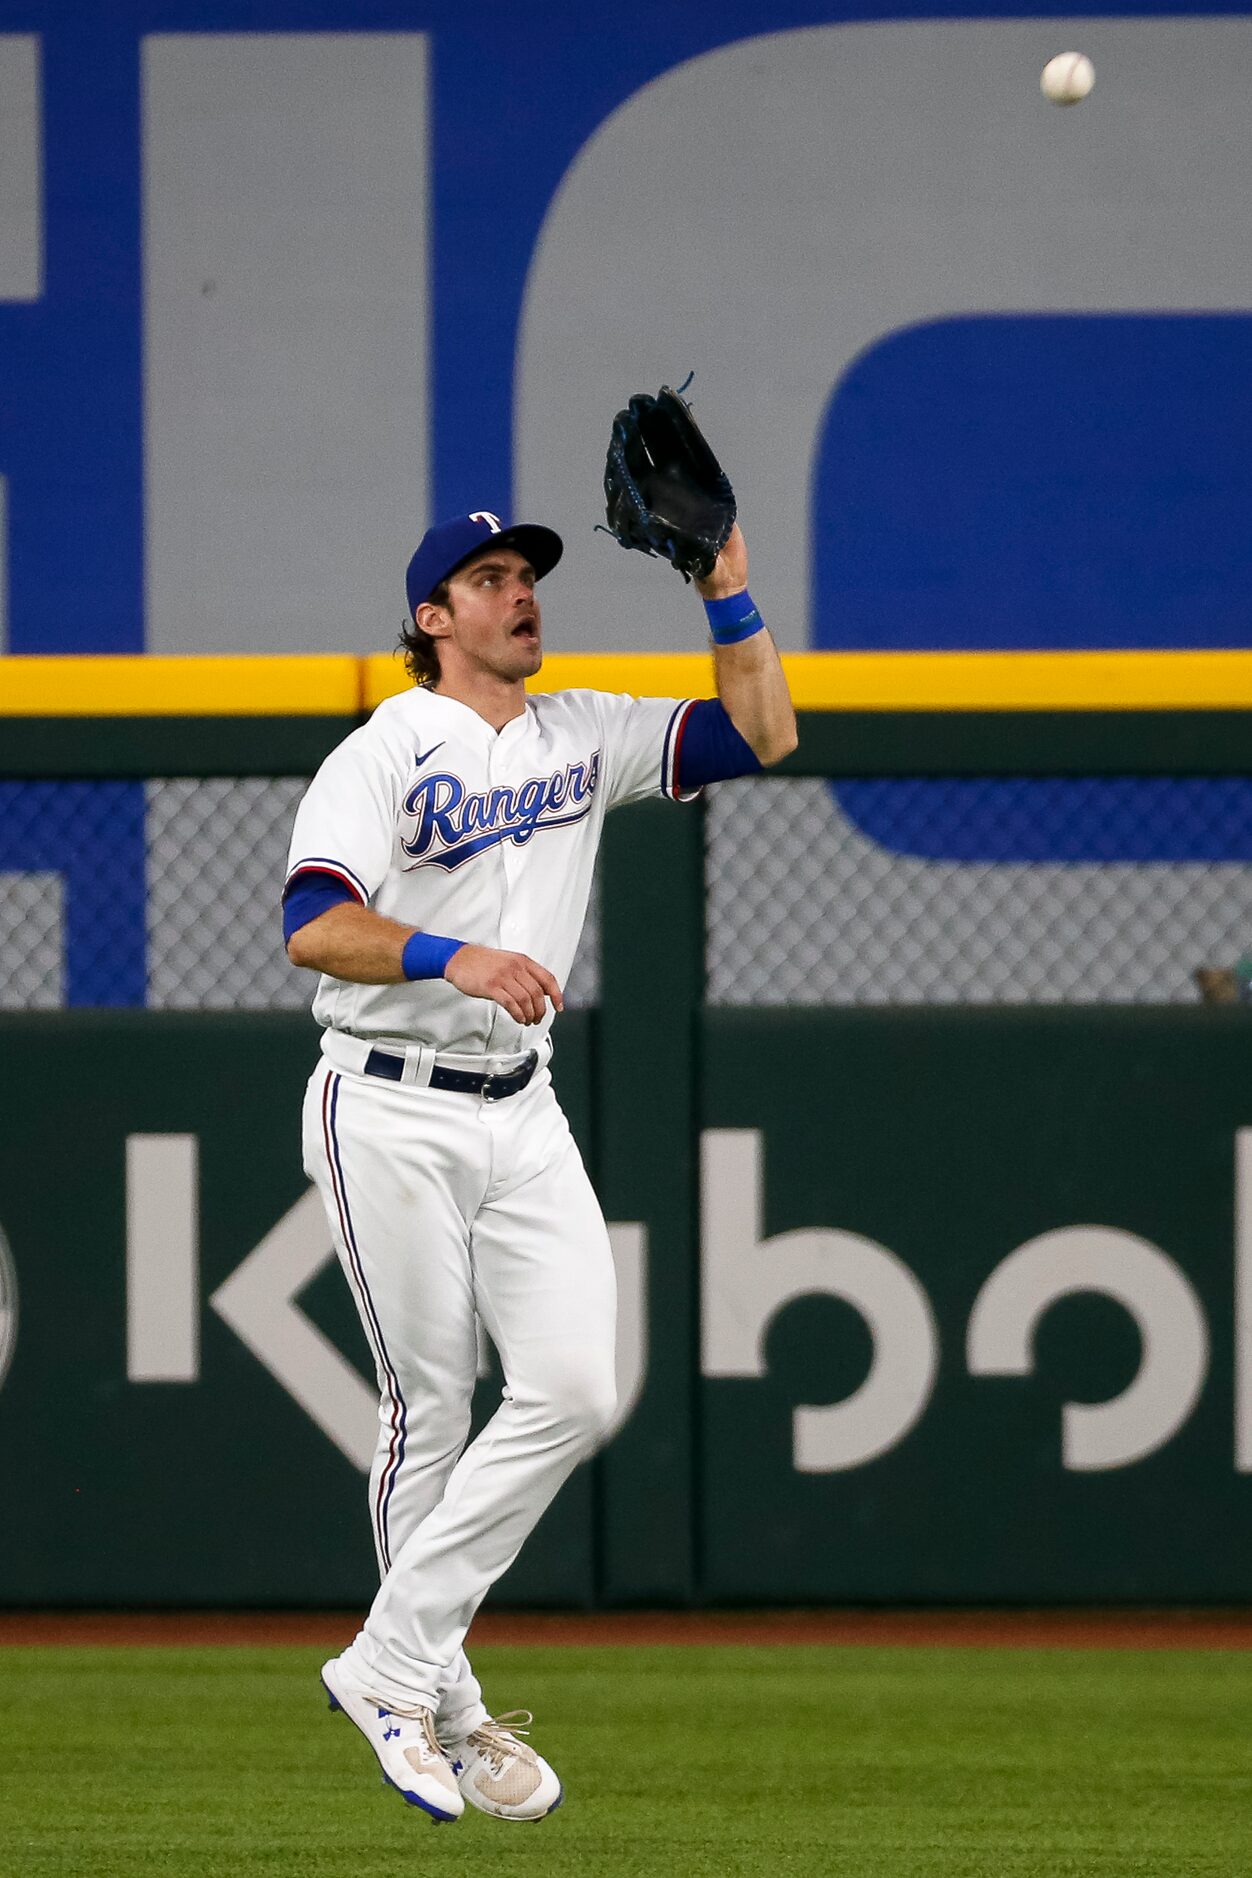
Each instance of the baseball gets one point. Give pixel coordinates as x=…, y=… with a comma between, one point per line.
x=1067, y=78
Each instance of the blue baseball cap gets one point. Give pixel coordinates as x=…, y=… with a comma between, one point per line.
x=447, y=545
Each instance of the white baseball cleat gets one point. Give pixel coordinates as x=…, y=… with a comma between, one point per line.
x=501, y=1774
x=408, y=1753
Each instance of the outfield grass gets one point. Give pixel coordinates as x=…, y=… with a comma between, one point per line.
x=678, y=1762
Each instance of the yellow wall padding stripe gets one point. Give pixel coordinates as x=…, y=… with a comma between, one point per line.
x=314, y=686
x=342, y=685
x=917, y=681
x=1022, y=681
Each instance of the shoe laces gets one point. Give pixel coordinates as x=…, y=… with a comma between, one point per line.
x=426, y=1742
x=497, y=1738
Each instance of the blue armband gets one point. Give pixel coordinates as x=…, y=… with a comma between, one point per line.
x=733, y=618
x=710, y=749
x=425, y=954
x=309, y=895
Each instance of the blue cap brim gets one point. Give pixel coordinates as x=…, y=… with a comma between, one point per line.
x=542, y=547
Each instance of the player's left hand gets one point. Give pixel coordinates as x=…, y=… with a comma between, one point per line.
x=730, y=570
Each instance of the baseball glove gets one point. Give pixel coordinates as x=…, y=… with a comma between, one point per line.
x=665, y=492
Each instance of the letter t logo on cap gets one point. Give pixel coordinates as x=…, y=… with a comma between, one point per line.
x=484, y=515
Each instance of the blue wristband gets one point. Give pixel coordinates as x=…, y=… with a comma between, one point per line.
x=733, y=618
x=425, y=954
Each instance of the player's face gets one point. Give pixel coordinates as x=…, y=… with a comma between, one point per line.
x=493, y=622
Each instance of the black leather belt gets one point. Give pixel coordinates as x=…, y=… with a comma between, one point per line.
x=464, y=1081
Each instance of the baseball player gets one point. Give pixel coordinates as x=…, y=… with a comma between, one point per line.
x=439, y=873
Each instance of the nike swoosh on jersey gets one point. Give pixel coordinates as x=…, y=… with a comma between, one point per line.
x=425, y=758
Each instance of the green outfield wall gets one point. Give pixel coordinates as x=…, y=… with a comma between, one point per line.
x=929, y=1305
x=970, y=1306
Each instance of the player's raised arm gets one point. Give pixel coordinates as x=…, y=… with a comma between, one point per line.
x=666, y=494
x=751, y=682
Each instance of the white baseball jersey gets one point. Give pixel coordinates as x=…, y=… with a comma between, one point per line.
x=433, y=818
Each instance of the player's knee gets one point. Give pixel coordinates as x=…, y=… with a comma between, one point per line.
x=584, y=1401
x=436, y=1445
x=437, y=1421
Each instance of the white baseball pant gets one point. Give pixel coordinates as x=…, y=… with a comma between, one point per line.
x=443, y=1207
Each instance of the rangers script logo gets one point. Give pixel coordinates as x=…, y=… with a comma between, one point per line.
x=454, y=825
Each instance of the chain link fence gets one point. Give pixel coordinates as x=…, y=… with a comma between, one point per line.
x=216, y=861
x=878, y=891
x=925, y=891
x=32, y=956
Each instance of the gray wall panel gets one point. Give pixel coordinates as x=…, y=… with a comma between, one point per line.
x=285, y=306
x=21, y=209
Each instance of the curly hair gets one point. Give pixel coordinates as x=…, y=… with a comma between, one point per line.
x=421, y=652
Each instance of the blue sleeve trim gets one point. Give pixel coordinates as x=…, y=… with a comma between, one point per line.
x=712, y=750
x=671, y=748
x=322, y=864
x=733, y=618
x=309, y=895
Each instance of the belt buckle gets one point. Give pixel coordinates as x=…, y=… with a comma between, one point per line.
x=525, y=1070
